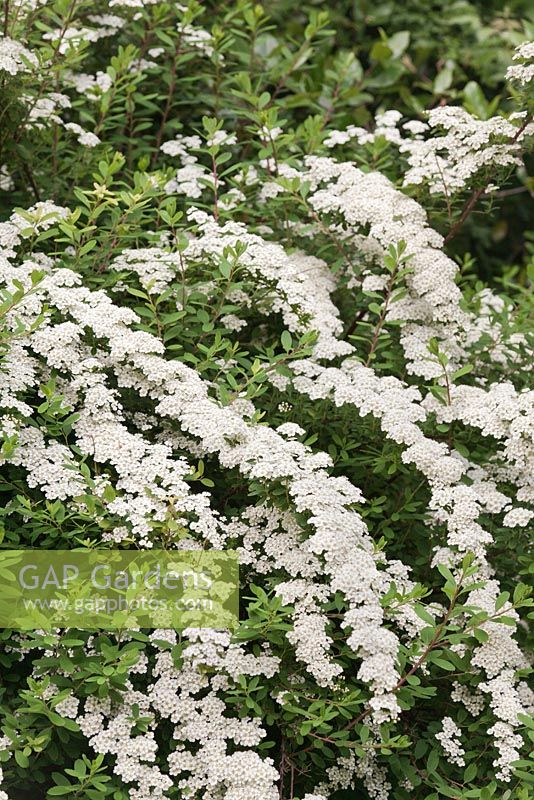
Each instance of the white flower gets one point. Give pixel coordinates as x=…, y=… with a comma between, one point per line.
x=14, y=57
x=449, y=737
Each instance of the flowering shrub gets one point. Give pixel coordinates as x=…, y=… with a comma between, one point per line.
x=235, y=314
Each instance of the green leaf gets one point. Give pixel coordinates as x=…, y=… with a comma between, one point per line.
x=380, y=52
x=225, y=268
x=474, y=100
x=447, y=791
x=424, y=615
x=443, y=79
x=446, y=665
x=21, y=759
x=264, y=99
x=462, y=371
x=447, y=574
x=470, y=772
x=432, y=761
x=88, y=246
x=94, y=794
x=286, y=340
x=398, y=43
x=138, y=293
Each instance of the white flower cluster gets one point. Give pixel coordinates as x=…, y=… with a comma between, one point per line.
x=47, y=109
x=500, y=658
x=181, y=147
x=318, y=550
x=196, y=38
x=449, y=161
x=449, y=738
x=400, y=412
x=463, y=147
x=14, y=57
x=499, y=411
x=148, y=476
x=472, y=701
x=300, y=284
x=7, y=183
x=132, y=3
x=3, y=795
x=385, y=126
x=454, y=502
x=211, y=751
x=368, y=212
x=91, y=86
x=155, y=267
x=522, y=72
x=192, y=179
x=84, y=137
x=64, y=39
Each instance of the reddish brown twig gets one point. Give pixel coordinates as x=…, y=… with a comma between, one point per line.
x=475, y=197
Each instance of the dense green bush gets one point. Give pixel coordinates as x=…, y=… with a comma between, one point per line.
x=265, y=281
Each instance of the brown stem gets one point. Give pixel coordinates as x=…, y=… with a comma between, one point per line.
x=282, y=81
x=282, y=768
x=359, y=316
x=447, y=386
x=168, y=102
x=335, y=96
x=114, y=242
x=20, y=130
x=400, y=683
x=6, y=17
x=469, y=206
x=327, y=232
x=475, y=197
x=445, y=190
x=420, y=660
x=382, y=317
x=215, y=189
x=29, y=175
x=511, y=192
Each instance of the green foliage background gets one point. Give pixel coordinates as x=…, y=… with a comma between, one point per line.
x=343, y=60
